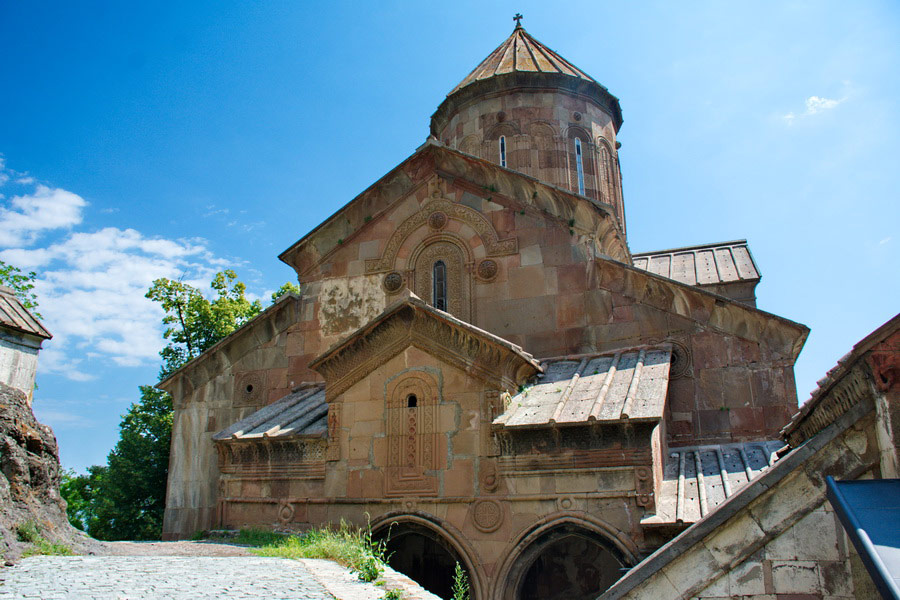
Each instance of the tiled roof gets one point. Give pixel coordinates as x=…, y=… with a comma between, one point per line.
x=15, y=316
x=303, y=412
x=616, y=386
x=699, y=478
x=708, y=264
x=522, y=53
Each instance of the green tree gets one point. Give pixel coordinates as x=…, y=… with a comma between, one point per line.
x=195, y=323
x=125, y=499
x=21, y=283
x=287, y=288
x=132, y=487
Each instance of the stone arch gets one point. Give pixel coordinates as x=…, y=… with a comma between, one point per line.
x=471, y=144
x=433, y=214
x=491, y=148
x=544, y=151
x=573, y=554
x=411, y=401
x=455, y=254
x=397, y=525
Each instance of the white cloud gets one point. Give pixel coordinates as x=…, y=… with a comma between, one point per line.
x=91, y=289
x=814, y=105
x=45, y=209
x=91, y=284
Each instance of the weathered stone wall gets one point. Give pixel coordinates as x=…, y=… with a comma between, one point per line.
x=539, y=283
x=522, y=274
x=489, y=504
x=18, y=360
x=779, y=538
x=235, y=378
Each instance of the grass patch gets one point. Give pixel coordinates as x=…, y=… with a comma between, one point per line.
x=259, y=537
x=346, y=545
x=44, y=548
x=30, y=532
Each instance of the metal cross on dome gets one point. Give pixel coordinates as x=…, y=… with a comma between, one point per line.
x=518, y=18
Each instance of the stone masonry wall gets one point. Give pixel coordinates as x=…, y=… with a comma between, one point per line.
x=787, y=543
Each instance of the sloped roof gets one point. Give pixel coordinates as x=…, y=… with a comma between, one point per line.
x=615, y=386
x=707, y=264
x=411, y=320
x=14, y=315
x=520, y=52
x=697, y=479
x=817, y=412
x=303, y=412
x=522, y=61
x=433, y=157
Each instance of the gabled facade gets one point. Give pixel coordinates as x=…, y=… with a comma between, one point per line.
x=477, y=360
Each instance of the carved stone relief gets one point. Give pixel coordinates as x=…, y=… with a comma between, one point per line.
x=643, y=486
x=458, y=296
x=487, y=515
x=249, y=389
x=411, y=405
x=482, y=226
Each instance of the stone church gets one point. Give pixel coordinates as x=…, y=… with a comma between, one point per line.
x=480, y=366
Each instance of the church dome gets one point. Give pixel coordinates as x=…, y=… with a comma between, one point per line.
x=528, y=109
x=521, y=61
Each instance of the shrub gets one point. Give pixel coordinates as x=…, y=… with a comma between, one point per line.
x=28, y=532
x=460, y=584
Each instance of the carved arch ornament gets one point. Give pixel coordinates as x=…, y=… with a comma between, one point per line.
x=453, y=253
x=493, y=245
x=411, y=407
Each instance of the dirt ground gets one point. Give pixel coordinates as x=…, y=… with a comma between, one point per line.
x=184, y=548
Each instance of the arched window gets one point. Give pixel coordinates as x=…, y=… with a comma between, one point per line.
x=502, y=150
x=579, y=165
x=439, y=285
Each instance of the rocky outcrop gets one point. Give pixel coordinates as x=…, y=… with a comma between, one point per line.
x=29, y=485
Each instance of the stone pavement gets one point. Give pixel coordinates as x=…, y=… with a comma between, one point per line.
x=192, y=577
x=159, y=577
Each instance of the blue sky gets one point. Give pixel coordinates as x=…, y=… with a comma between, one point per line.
x=142, y=140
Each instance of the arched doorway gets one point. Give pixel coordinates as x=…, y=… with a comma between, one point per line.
x=566, y=562
x=422, y=554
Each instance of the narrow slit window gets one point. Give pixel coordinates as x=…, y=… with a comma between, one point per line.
x=412, y=401
x=439, y=285
x=579, y=165
x=502, y=151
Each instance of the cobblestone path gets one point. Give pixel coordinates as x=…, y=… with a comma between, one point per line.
x=159, y=578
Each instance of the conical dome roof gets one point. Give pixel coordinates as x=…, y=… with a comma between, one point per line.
x=520, y=52
x=522, y=62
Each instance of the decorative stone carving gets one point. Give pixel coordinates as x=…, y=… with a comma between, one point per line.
x=249, y=388
x=489, y=477
x=437, y=220
x=487, y=515
x=393, y=281
x=488, y=270
x=411, y=404
x=643, y=486
x=565, y=503
x=286, y=512
x=474, y=219
x=458, y=297
x=334, y=431
x=681, y=360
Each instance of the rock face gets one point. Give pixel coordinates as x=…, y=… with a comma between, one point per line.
x=29, y=485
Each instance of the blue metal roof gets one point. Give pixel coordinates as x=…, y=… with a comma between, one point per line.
x=869, y=510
